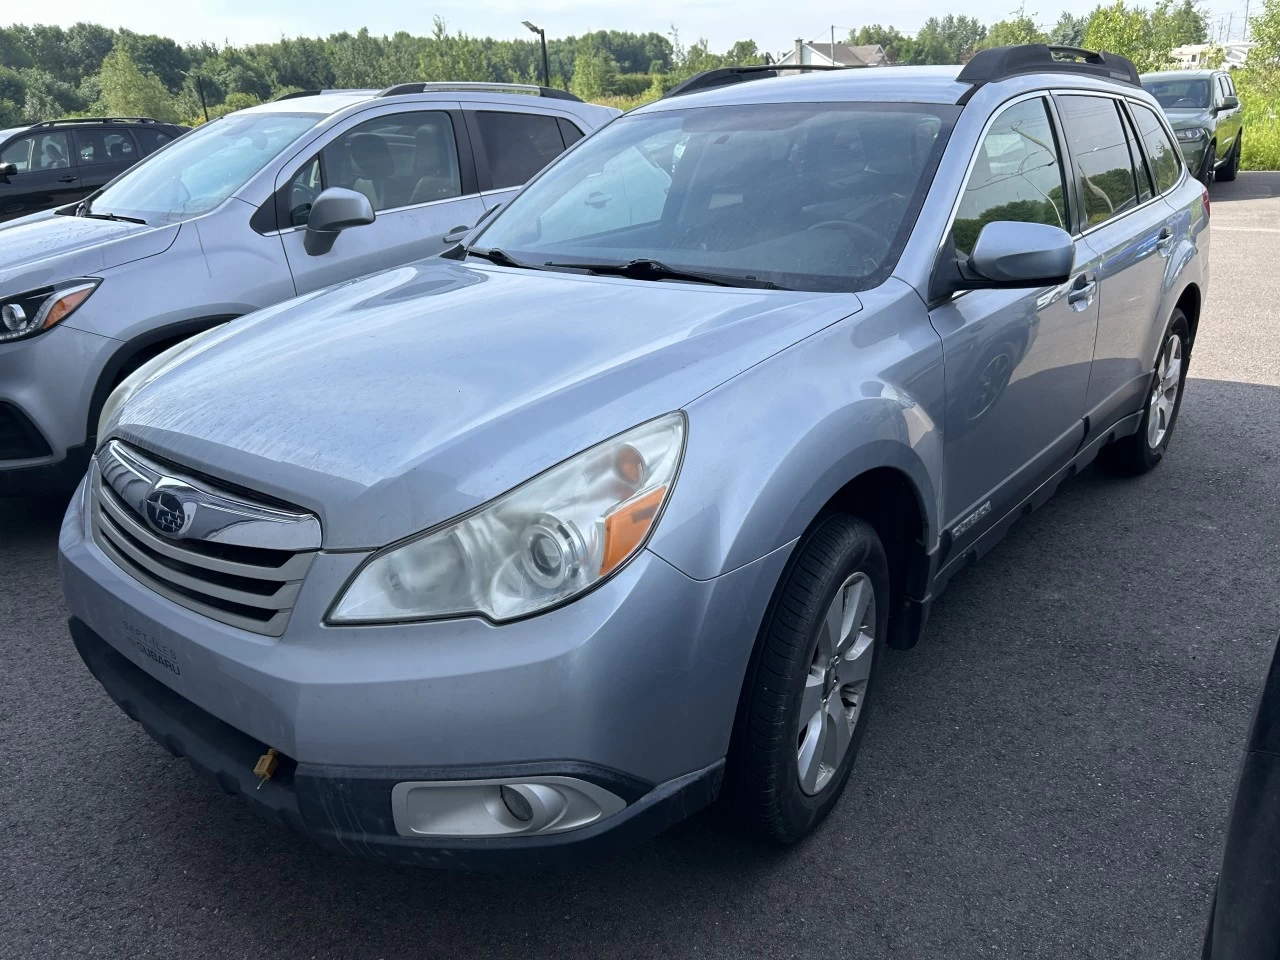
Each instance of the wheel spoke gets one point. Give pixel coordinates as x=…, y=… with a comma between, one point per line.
x=855, y=666
x=838, y=740
x=1153, y=424
x=812, y=748
x=811, y=699
x=1171, y=376
x=831, y=631
x=858, y=596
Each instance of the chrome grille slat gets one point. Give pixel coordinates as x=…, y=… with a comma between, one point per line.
x=188, y=563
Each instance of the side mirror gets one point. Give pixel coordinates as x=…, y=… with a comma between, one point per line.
x=333, y=211
x=7, y=170
x=1013, y=254
x=1229, y=103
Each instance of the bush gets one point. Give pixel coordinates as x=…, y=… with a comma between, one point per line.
x=1259, y=90
x=630, y=84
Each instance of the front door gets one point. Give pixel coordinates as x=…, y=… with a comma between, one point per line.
x=1016, y=362
x=47, y=175
x=408, y=165
x=1229, y=121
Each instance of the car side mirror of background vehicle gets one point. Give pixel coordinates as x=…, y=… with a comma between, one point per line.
x=335, y=210
x=1229, y=103
x=7, y=170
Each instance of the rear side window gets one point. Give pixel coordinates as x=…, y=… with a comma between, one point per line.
x=1017, y=175
x=518, y=145
x=569, y=132
x=1103, y=167
x=104, y=146
x=1163, y=155
x=151, y=140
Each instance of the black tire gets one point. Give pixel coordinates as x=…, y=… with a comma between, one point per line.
x=762, y=787
x=1227, y=172
x=1136, y=453
x=1205, y=175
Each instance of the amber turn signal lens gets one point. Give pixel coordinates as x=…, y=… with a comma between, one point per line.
x=65, y=304
x=626, y=527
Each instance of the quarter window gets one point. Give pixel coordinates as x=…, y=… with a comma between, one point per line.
x=1139, y=166
x=1017, y=175
x=395, y=161
x=1103, y=167
x=151, y=140
x=518, y=145
x=1163, y=155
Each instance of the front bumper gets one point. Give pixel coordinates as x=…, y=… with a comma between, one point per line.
x=50, y=380
x=349, y=809
x=639, y=678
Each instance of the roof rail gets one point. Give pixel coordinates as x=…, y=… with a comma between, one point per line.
x=467, y=86
x=52, y=123
x=316, y=93
x=999, y=63
x=724, y=76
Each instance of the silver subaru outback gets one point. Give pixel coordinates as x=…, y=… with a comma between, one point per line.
x=532, y=549
x=235, y=216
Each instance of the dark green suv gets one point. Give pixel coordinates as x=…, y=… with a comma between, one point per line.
x=1205, y=113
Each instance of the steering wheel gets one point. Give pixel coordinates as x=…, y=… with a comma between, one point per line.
x=856, y=230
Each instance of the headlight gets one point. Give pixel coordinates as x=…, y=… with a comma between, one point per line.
x=142, y=376
x=1195, y=133
x=543, y=543
x=27, y=314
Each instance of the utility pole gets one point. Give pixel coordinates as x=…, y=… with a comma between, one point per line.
x=833, y=44
x=1246, y=20
x=1230, y=23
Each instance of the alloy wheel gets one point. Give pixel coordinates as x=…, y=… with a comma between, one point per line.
x=836, y=686
x=1164, y=391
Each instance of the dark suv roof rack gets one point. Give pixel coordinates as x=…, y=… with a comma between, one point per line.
x=460, y=86
x=724, y=76
x=999, y=63
x=55, y=123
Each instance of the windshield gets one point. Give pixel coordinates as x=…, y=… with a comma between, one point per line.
x=809, y=196
x=196, y=172
x=1179, y=94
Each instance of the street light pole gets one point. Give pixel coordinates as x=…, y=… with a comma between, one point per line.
x=542, y=35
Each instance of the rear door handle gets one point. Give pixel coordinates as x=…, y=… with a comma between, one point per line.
x=68, y=179
x=1165, y=241
x=1082, y=290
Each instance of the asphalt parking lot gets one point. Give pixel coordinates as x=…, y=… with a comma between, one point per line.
x=1047, y=776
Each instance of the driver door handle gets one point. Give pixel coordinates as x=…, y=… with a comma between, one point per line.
x=68, y=179
x=456, y=234
x=1165, y=241
x=1083, y=289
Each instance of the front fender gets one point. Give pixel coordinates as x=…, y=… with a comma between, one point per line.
x=767, y=450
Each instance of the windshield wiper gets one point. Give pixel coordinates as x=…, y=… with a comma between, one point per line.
x=112, y=216
x=496, y=256
x=645, y=269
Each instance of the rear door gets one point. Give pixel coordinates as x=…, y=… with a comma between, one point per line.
x=512, y=145
x=102, y=154
x=414, y=166
x=1128, y=227
x=47, y=175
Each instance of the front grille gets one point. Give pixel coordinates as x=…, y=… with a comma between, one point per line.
x=19, y=438
x=250, y=586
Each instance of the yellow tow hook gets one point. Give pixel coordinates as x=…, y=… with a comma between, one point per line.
x=266, y=765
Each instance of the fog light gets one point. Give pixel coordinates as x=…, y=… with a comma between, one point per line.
x=517, y=805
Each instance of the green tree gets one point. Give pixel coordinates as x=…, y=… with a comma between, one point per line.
x=47, y=97
x=1069, y=30
x=128, y=92
x=1175, y=25
x=1123, y=30
x=1265, y=31
x=593, y=73
x=897, y=45
x=952, y=39
x=1009, y=33
x=13, y=94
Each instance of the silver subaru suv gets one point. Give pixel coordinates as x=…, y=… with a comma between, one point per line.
x=235, y=216
x=535, y=548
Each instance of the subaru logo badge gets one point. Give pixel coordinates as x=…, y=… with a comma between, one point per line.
x=166, y=513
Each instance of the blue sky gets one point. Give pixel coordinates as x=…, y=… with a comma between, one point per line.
x=772, y=24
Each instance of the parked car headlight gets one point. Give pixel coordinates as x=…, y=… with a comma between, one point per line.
x=27, y=314
x=143, y=375
x=1194, y=133
x=543, y=543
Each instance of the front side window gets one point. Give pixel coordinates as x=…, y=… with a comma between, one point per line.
x=1017, y=175
x=518, y=145
x=202, y=169
x=45, y=151
x=1190, y=94
x=1162, y=154
x=104, y=146
x=396, y=161
x=1103, y=167
x=811, y=196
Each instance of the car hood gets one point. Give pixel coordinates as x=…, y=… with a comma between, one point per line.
x=394, y=402
x=1182, y=119
x=39, y=251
